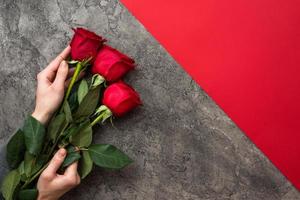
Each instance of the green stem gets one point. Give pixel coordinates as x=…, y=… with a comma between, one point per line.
x=73, y=80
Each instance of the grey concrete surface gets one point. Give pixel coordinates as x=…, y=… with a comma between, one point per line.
x=183, y=145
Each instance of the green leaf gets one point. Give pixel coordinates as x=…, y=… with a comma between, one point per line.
x=83, y=136
x=28, y=194
x=21, y=170
x=73, y=98
x=70, y=130
x=10, y=183
x=82, y=90
x=74, y=129
x=34, y=133
x=29, y=161
x=15, y=150
x=108, y=156
x=64, y=142
x=71, y=157
x=67, y=111
x=40, y=161
x=97, y=80
x=85, y=164
x=56, y=126
x=88, y=104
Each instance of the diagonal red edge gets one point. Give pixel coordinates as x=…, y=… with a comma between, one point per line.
x=246, y=56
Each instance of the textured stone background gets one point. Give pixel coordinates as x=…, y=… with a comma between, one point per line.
x=183, y=145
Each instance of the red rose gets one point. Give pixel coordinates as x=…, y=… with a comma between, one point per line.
x=85, y=44
x=120, y=98
x=112, y=64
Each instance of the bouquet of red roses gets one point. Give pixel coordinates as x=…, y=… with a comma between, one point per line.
x=99, y=96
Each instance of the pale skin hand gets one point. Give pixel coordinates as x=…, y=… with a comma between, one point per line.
x=52, y=186
x=52, y=82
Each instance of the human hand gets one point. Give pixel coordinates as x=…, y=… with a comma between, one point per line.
x=52, y=82
x=51, y=186
x=50, y=87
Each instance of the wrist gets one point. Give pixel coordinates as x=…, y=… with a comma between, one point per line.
x=41, y=116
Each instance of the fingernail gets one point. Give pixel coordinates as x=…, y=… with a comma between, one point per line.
x=62, y=152
x=64, y=66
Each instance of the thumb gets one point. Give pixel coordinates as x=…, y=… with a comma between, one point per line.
x=56, y=162
x=61, y=75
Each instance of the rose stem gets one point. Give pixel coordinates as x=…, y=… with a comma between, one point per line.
x=73, y=80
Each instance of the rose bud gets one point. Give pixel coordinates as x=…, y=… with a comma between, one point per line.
x=120, y=98
x=112, y=64
x=85, y=44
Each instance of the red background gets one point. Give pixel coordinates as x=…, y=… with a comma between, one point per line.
x=245, y=55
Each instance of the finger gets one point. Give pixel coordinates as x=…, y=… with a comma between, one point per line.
x=56, y=162
x=61, y=75
x=46, y=76
x=56, y=62
x=49, y=75
x=71, y=171
x=49, y=72
x=69, y=79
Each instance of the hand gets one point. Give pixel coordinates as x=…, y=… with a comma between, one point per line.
x=50, y=87
x=52, y=186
